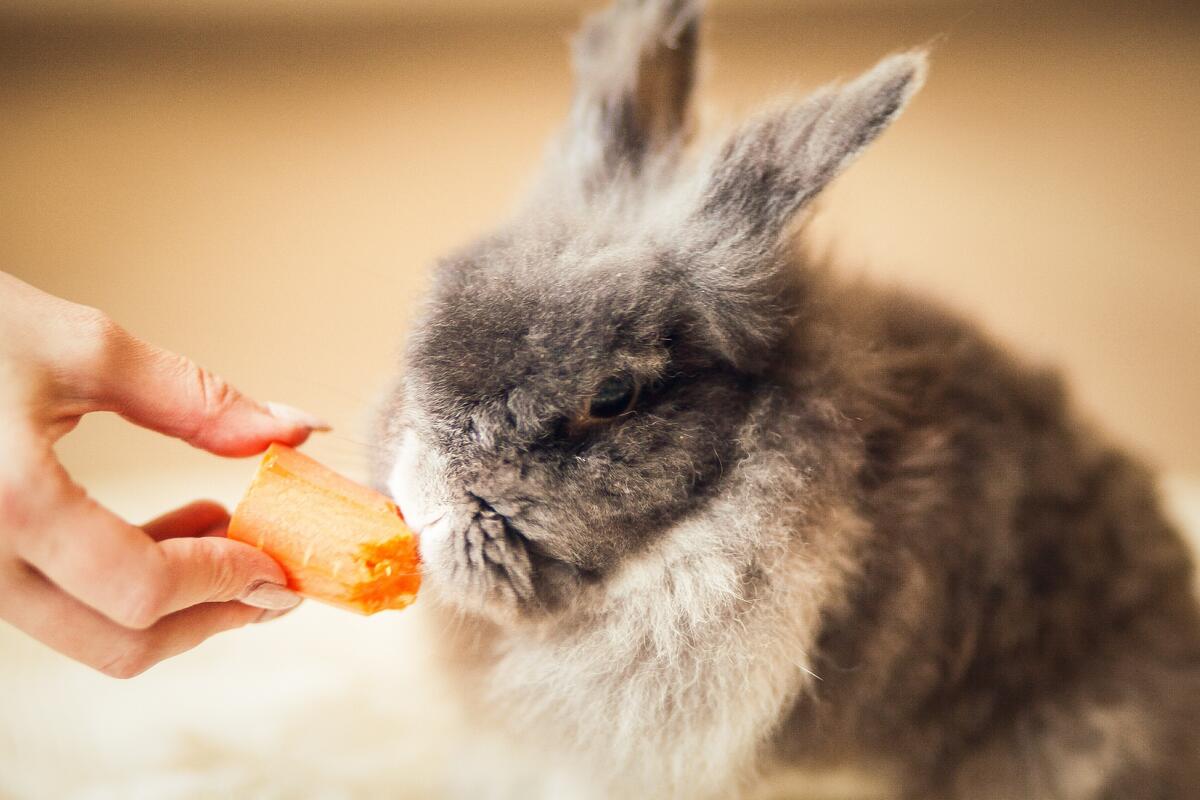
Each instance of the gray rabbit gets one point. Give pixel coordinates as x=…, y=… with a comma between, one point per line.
x=693, y=507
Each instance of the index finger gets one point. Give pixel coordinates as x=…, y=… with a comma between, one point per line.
x=93, y=364
x=169, y=393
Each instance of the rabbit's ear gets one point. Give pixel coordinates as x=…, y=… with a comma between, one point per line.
x=751, y=187
x=776, y=163
x=634, y=69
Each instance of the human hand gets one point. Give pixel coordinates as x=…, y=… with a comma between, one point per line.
x=74, y=575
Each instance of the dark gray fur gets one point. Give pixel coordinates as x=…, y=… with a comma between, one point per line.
x=990, y=595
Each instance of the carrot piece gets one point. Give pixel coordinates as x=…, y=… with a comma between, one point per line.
x=337, y=541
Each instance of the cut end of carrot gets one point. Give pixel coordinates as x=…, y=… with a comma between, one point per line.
x=337, y=541
x=394, y=579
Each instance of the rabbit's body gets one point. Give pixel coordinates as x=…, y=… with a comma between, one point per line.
x=1022, y=622
x=692, y=507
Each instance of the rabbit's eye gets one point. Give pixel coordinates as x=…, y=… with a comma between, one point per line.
x=614, y=396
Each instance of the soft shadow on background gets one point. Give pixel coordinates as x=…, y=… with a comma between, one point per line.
x=263, y=186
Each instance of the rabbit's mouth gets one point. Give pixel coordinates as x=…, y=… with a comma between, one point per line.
x=481, y=562
x=492, y=557
x=476, y=552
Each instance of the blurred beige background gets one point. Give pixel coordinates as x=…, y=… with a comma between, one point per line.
x=264, y=185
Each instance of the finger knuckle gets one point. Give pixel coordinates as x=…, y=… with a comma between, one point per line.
x=225, y=579
x=141, y=604
x=214, y=559
x=23, y=502
x=213, y=397
x=14, y=506
x=131, y=657
x=91, y=345
x=96, y=331
x=235, y=568
x=216, y=395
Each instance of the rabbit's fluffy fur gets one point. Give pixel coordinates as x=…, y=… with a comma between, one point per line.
x=836, y=524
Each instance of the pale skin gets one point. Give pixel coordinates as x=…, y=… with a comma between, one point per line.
x=74, y=575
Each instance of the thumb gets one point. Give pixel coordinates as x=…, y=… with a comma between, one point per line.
x=168, y=393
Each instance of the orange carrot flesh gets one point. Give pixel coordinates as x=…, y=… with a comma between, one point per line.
x=337, y=541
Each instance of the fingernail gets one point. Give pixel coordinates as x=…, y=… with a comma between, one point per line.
x=265, y=594
x=286, y=413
